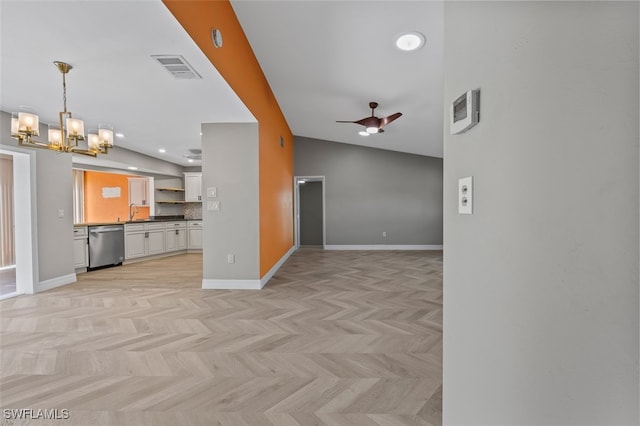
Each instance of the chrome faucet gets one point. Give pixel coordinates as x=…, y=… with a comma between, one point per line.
x=133, y=209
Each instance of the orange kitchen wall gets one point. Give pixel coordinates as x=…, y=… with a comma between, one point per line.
x=98, y=209
x=238, y=65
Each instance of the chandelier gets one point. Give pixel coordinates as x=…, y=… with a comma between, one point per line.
x=65, y=135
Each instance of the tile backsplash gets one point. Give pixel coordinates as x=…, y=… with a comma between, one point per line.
x=192, y=211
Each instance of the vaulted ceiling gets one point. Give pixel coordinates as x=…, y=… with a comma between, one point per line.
x=325, y=61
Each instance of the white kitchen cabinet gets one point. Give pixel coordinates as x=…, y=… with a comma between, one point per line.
x=80, y=247
x=155, y=241
x=139, y=191
x=175, y=236
x=135, y=244
x=143, y=239
x=194, y=229
x=192, y=187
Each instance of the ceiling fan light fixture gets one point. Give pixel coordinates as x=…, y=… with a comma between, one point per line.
x=372, y=130
x=363, y=133
x=410, y=41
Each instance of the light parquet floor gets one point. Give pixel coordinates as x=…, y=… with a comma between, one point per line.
x=335, y=338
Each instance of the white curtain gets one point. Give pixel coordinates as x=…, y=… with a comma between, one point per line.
x=78, y=196
x=7, y=254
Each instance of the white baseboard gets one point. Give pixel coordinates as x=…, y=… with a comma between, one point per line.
x=277, y=266
x=8, y=295
x=382, y=247
x=209, y=284
x=56, y=282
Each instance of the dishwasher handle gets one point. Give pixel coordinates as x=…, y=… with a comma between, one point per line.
x=102, y=229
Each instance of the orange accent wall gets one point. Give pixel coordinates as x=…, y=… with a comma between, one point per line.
x=238, y=65
x=98, y=209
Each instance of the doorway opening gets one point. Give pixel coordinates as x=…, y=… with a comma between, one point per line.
x=7, y=246
x=310, y=224
x=18, y=202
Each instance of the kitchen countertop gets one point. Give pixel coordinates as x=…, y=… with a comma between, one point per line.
x=123, y=222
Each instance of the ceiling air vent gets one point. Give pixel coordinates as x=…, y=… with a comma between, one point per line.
x=177, y=66
x=194, y=154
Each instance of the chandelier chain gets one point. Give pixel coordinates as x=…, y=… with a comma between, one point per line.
x=64, y=91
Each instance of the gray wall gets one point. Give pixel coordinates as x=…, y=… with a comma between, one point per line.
x=311, y=214
x=53, y=192
x=541, y=282
x=230, y=163
x=370, y=190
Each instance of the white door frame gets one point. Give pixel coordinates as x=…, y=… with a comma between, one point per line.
x=25, y=221
x=296, y=206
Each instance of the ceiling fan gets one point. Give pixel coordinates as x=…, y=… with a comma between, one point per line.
x=374, y=124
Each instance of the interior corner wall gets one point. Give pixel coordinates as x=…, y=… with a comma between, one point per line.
x=230, y=164
x=54, y=183
x=238, y=65
x=369, y=191
x=541, y=298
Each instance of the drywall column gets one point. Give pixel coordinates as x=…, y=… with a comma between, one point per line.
x=541, y=282
x=230, y=164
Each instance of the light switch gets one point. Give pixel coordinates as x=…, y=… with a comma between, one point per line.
x=213, y=205
x=212, y=192
x=465, y=195
x=60, y=213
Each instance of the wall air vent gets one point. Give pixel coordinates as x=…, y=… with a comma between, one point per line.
x=177, y=66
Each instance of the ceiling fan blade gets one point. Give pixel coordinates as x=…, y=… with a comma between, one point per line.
x=389, y=119
x=367, y=121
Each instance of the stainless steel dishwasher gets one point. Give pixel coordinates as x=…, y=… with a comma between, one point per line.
x=106, y=246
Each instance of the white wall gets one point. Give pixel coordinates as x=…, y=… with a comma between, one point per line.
x=541, y=282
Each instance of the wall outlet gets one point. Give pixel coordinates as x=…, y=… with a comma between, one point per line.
x=231, y=258
x=465, y=195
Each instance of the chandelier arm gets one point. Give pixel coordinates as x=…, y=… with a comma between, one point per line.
x=27, y=141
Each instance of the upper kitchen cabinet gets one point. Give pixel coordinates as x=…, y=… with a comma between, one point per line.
x=139, y=191
x=193, y=187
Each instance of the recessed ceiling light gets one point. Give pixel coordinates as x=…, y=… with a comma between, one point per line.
x=132, y=168
x=162, y=150
x=200, y=133
x=410, y=41
x=190, y=160
x=363, y=133
x=119, y=135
